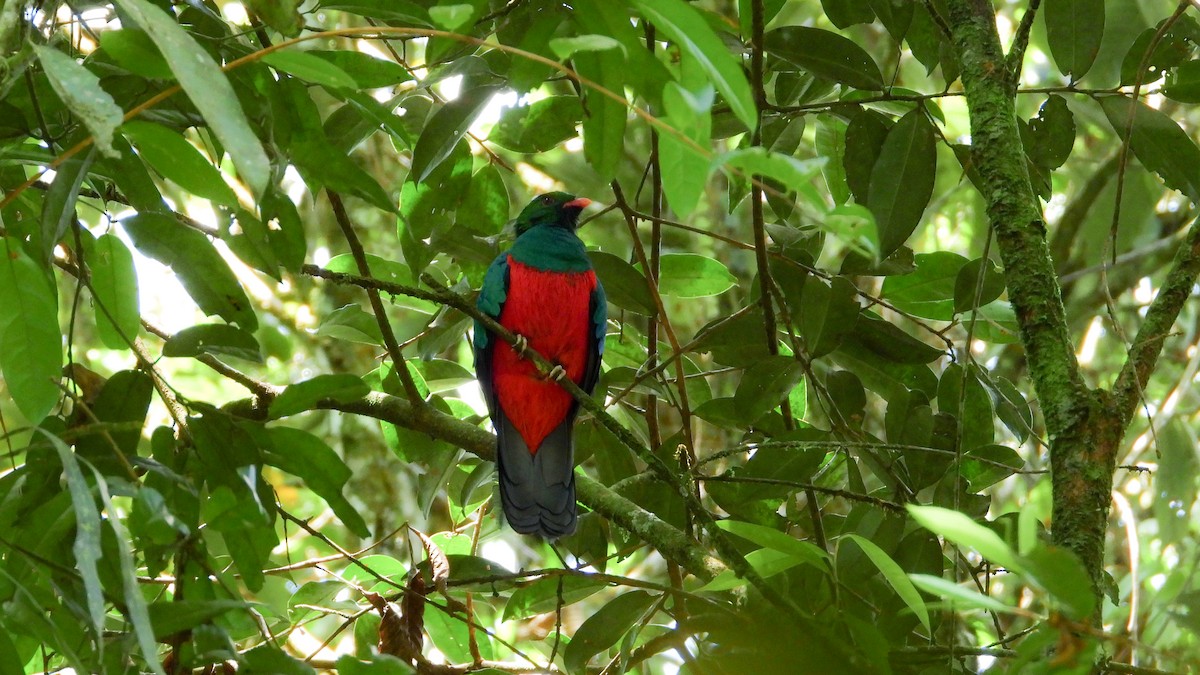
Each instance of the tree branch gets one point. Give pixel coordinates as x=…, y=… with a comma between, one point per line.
x=670, y=542
x=1147, y=345
x=385, y=328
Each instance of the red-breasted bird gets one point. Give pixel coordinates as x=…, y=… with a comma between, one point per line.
x=544, y=290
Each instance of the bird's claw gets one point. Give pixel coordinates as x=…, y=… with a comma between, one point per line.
x=521, y=346
x=556, y=373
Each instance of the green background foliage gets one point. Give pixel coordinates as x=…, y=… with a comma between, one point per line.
x=894, y=316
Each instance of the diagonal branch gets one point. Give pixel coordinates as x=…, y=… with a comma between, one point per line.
x=1147, y=345
x=385, y=328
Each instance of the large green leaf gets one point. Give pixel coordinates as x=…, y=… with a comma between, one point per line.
x=929, y=291
x=828, y=314
x=902, y=180
x=1074, y=29
x=80, y=89
x=962, y=530
x=208, y=88
x=690, y=114
x=544, y=595
x=368, y=72
x=1158, y=142
x=115, y=285
x=764, y=385
x=895, y=577
x=964, y=596
x=58, y=207
x=604, y=119
x=311, y=68
x=688, y=275
x=178, y=160
x=87, y=532
x=825, y=54
x=624, y=285
x=602, y=629
x=448, y=126
x=217, y=339
x=196, y=262
x=30, y=338
x=687, y=28
x=539, y=126
x=304, y=395
x=323, y=471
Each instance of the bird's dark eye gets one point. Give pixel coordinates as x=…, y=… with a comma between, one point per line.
x=547, y=200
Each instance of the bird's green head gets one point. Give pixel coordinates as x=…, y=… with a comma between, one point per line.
x=553, y=209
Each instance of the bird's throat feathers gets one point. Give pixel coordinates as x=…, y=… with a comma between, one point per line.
x=553, y=249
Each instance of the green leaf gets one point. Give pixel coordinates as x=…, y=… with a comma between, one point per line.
x=305, y=395
x=173, y=616
x=353, y=324
x=687, y=275
x=446, y=128
x=929, y=291
x=367, y=71
x=269, y=660
x=134, y=51
x=451, y=17
x=775, y=540
x=604, y=120
x=30, y=337
x=1051, y=134
x=175, y=158
x=865, y=136
x=1183, y=83
x=825, y=54
x=602, y=629
x=828, y=314
x=793, y=173
x=115, y=285
x=311, y=68
x=192, y=258
x=539, y=126
x=986, y=465
x=80, y=89
x=486, y=206
x=687, y=28
x=135, y=609
x=87, y=532
x=1158, y=142
x=962, y=530
x=543, y=595
x=968, y=285
x=218, y=339
x=623, y=283
x=1062, y=575
x=281, y=15
x=566, y=47
x=895, y=577
x=1074, y=29
x=891, y=342
x=208, y=88
x=766, y=561
x=902, y=180
x=764, y=385
x=58, y=207
x=951, y=591
x=690, y=114
x=831, y=143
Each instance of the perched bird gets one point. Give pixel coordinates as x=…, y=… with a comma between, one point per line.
x=544, y=290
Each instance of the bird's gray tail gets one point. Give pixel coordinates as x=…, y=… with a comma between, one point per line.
x=537, y=491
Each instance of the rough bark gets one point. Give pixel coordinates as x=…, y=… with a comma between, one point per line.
x=1083, y=432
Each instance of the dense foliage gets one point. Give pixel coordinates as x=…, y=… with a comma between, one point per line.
x=875, y=267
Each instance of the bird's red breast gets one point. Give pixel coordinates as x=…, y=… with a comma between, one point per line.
x=552, y=310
